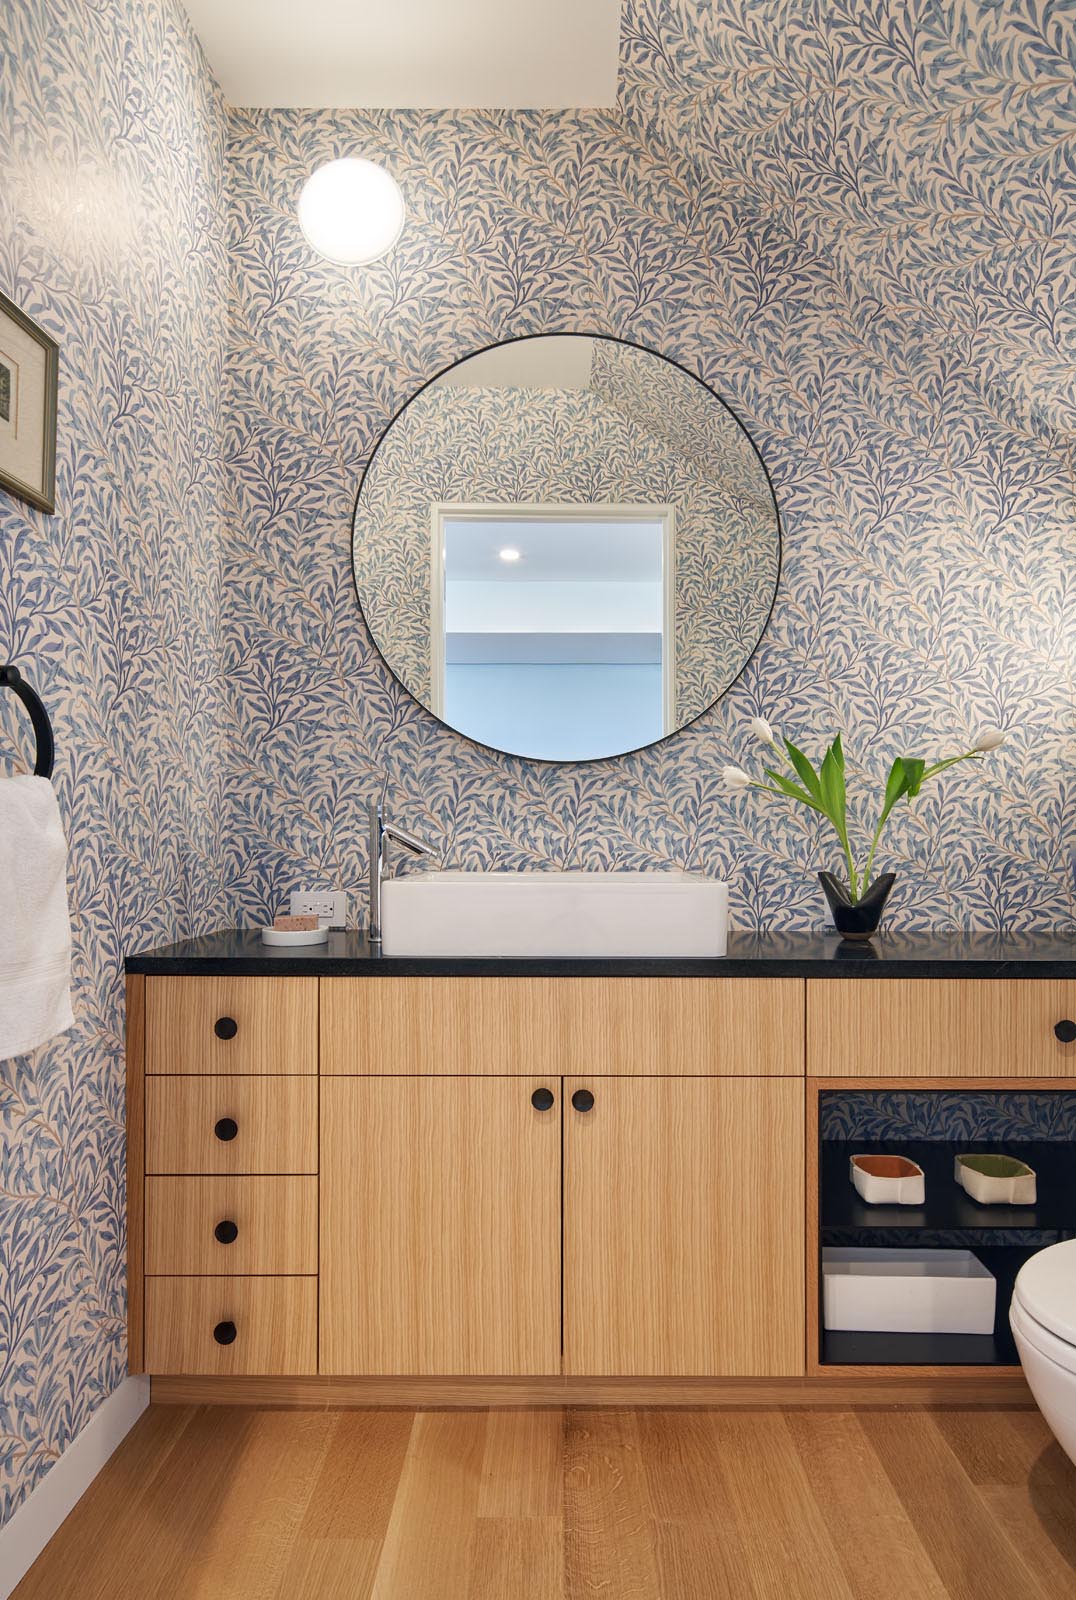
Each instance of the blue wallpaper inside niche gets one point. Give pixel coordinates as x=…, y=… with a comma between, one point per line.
x=949, y=1116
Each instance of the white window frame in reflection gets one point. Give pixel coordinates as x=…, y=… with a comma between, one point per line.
x=542, y=511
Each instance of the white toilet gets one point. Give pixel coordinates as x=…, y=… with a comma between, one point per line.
x=1042, y=1317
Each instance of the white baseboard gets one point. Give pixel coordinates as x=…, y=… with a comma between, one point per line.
x=34, y=1523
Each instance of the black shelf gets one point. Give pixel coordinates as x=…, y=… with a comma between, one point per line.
x=948, y=1208
x=997, y=1349
x=917, y=1350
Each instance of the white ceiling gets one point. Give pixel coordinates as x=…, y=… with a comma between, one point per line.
x=412, y=53
x=553, y=361
x=590, y=549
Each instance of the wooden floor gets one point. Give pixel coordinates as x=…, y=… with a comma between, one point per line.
x=214, y=1504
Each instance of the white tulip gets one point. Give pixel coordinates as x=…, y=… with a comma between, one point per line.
x=762, y=730
x=989, y=739
x=735, y=778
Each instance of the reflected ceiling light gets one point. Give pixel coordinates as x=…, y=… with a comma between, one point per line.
x=351, y=210
x=508, y=554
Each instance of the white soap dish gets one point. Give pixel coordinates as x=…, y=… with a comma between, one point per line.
x=293, y=936
x=888, y=1180
x=996, y=1180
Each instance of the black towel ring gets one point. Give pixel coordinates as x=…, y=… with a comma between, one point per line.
x=12, y=678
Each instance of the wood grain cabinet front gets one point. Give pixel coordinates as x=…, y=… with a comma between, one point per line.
x=231, y=1025
x=231, y=1326
x=633, y=1027
x=440, y=1226
x=245, y=1226
x=683, y=1227
x=941, y=1028
x=231, y=1125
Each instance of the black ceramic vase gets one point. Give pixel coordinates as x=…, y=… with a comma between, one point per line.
x=857, y=919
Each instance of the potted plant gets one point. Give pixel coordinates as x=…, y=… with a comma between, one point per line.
x=857, y=904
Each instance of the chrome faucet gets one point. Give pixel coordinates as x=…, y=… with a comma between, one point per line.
x=380, y=830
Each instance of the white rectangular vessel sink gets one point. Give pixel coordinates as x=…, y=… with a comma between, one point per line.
x=554, y=914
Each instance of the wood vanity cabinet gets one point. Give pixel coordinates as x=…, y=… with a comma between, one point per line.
x=531, y=1178
x=347, y=1145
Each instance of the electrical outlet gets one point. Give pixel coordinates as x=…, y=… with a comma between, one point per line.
x=330, y=908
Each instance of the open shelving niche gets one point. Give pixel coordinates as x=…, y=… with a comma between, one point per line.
x=1002, y=1237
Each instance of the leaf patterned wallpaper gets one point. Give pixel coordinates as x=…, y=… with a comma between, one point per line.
x=854, y=220
x=111, y=236
x=853, y=217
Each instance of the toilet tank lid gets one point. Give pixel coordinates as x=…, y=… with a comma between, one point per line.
x=1046, y=1288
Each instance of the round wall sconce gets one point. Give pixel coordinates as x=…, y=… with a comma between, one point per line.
x=351, y=210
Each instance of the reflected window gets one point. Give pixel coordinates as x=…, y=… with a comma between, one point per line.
x=552, y=621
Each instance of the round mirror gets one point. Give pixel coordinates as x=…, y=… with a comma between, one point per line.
x=566, y=547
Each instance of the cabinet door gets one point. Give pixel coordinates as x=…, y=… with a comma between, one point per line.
x=684, y=1227
x=440, y=1226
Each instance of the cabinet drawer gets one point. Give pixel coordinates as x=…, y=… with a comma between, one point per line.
x=271, y=1322
x=685, y=1027
x=232, y=1225
x=939, y=1028
x=189, y=1123
x=631, y=1027
x=233, y=1025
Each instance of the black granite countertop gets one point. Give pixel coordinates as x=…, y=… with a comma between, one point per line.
x=764, y=955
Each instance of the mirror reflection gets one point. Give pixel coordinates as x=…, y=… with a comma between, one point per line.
x=566, y=547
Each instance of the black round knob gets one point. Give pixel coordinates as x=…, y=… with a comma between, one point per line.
x=225, y=1027
x=582, y=1099
x=226, y=1232
x=1065, y=1030
x=542, y=1099
x=224, y=1333
x=226, y=1129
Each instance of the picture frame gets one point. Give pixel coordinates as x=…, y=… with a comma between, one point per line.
x=29, y=370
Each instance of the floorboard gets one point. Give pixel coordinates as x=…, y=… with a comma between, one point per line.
x=205, y=1503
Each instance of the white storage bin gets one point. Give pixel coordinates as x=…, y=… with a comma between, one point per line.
x=906, y=1291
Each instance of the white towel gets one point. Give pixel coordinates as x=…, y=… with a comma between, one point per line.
x=35, y=929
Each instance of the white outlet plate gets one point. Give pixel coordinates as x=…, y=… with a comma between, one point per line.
x=328, y=906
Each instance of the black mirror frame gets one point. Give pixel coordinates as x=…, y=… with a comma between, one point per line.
x=612, y=338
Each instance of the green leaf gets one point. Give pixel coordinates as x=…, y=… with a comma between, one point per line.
x=894, y=785
x=793, y=791
x=804, y=770
x=832, y=784
x=914, y=769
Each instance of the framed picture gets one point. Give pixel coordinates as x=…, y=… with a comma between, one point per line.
x=29, y=361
